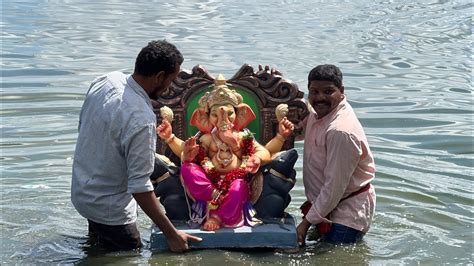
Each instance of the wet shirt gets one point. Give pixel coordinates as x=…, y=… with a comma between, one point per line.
x=115, y=149
x=337, y=161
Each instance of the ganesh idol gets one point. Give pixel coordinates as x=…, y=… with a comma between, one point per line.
x=218, y=163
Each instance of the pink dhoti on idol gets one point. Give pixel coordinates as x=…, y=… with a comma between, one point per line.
x=234, y=209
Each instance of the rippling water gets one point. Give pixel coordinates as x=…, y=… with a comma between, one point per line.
x=408, y=74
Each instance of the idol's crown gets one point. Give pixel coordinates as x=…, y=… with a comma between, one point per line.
x=220, y=95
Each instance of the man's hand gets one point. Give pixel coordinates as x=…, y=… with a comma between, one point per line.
x=301, y=231
x=177, y=240
x=180, y=241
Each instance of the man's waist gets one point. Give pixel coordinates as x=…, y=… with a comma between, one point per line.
x=119, y=216
x=357, y=192
x=306, y=206
x=112, y=210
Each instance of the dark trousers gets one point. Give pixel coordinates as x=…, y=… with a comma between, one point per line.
x=341, y=234
x=115, y=237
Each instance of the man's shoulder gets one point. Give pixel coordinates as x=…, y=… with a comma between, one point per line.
x=114, y=77
x=107, y=84
x=346, y=125
x=345, y=119
x=138, y=112
x=116, y=80
x=120, y=101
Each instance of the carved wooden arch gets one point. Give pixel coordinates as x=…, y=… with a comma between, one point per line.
x=270, y=90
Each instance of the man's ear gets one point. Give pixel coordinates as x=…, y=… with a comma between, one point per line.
x=342, y=89
x=160, y=77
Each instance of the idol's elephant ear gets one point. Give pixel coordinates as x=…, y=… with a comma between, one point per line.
x=244, y=115
x=168, y=188
x=200, y=119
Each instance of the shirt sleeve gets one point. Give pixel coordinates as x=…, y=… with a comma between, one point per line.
x=343, y=155
x=139, y=146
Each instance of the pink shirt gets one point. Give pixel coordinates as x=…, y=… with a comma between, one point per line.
x=337, y=161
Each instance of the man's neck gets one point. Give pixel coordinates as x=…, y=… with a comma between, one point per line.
x=143, y=82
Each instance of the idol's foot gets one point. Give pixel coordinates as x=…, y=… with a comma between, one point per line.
x=212, y=224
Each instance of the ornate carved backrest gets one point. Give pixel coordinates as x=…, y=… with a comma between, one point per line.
x=262, y=90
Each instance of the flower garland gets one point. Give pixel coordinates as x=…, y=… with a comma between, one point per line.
x=222, y=182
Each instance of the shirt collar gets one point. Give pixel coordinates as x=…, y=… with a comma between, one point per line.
x=139, y=90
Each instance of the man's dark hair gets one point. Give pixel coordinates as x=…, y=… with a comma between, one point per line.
x=326, y=72
x=158, y=56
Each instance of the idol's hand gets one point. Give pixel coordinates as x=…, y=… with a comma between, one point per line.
x=285, y=127
x=253, y=164
x=164, y=130
x=190, y=150
x=230, y=139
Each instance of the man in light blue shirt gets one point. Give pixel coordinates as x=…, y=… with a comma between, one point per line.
x=115, y=150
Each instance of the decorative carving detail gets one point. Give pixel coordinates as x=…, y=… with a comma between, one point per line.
x=197, y=79
x=272, y=89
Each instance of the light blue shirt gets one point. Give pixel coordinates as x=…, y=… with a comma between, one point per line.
x=115, y=149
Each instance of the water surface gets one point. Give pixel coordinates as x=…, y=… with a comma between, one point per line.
x=408, y=75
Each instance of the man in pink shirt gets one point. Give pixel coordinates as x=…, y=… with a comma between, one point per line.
x=338, y=165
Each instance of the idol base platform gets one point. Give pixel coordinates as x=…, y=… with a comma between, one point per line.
x=280, y=234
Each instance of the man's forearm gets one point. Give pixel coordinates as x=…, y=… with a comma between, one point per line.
x=149, y=204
